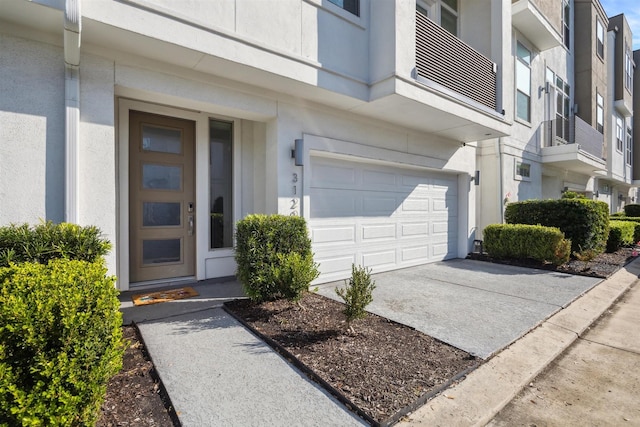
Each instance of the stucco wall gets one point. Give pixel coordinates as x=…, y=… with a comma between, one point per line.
x=31, y=131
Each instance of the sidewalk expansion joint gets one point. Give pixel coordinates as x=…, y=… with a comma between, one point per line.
x=614, y=347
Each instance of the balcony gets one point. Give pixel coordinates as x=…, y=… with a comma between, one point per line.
x=531, y=22
x=454, y=66
x=573, y=145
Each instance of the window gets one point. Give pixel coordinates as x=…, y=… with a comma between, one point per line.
x=523, y=171
x=566, y=23
x=352, y=6
x=599, y=113
x=599, y=38
x=562, y=94
x=221, y=183
x=523, y=82
x=449, y=16
x=629, y=141
x=628, y=69
x=619, y=133
x=444, y=12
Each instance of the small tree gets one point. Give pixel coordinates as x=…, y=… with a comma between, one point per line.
x=358, y=292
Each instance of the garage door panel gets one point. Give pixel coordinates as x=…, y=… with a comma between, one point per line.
x=383, y=218
x=373, y=205
x=375, y=259
x=333, y=176
x=415, y=229
x=415, y=253
x=379, y=232
x=329, y=234
x=379, y=180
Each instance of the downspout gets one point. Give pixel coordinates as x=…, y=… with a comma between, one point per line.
x=72, y=27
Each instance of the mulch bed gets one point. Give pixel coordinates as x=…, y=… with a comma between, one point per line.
x=375, y=363
x=382, y=368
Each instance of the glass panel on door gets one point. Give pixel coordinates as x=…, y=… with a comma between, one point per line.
x=160, y=214
x=161, y=251
x=161, y=177
x=161, y=140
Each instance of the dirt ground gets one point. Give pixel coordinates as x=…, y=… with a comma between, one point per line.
x=135, y=398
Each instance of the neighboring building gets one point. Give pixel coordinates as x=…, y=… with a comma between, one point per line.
x=617, y=187
x=398, y=129
x=636, y=123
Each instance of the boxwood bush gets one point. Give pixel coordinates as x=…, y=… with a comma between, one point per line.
x=274, y=258
x=621, y=233
x=632, y=209
x=60, y=342
x=584, y=222
x=632, y=219
x=46, y=241
x=520, y=241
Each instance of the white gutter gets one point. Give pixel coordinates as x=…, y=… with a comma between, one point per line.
x=72, y=27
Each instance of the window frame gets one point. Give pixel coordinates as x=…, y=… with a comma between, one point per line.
x=566, y=23
x=628, y=69
x=599, y=42
x=520, y=166
x=599, y=113
x=521, y=61
x=351, y=6
x=629, y=147
x=228, y=218
x=619, y=134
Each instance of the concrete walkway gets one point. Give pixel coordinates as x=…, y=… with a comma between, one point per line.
x=218, y=373
x=596, y=382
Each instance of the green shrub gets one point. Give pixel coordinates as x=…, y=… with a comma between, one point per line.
x=265, y=267
x=618, y=214
x=520, y=241
x=634, y=220
x=572, y=195
x=60, y=342
x=584, y=222
x=620, y=234
x=46, y=241
x=632, y=209
x=357, y=293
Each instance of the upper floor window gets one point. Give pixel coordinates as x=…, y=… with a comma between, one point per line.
x=561, y=91
x=599, y=38
x=444, y=12
x=599, y=113
x=628, y=69
x=352, y=6
x=566, y=23
x=619, y=133
x=629, y=141
x=523, y=82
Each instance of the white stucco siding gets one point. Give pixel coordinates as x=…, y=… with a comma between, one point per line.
x=97, y=151
x=31, y=131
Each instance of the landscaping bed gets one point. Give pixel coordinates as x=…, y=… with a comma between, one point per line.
x=315, y=331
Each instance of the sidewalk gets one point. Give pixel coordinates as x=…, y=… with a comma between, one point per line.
x=596, y=382
x=486, y=391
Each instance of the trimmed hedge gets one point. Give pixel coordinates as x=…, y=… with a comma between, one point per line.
x=46, y=241
x=522, y=241
x=584, y=222
x=633, y=219
x=632, y=209
x=274, y=258
x=60, y=342
x=621, y=233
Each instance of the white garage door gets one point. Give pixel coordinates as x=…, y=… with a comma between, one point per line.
x=379, y=216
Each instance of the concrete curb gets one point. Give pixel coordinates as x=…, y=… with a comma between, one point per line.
x=476, y=400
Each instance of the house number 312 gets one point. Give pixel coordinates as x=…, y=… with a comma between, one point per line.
x=294, y=202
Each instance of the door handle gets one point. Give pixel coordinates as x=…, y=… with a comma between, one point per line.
x=190, y=221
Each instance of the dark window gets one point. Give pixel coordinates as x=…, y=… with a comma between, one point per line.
x=352, y=6
x=599, y=39
x=566, y=22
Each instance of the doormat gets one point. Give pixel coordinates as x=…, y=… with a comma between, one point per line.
x=164, y=296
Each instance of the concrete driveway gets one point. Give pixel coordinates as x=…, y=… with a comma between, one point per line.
x=477, y=306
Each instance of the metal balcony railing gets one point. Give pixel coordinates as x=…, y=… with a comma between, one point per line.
x=445, y=59
x=574, y=130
